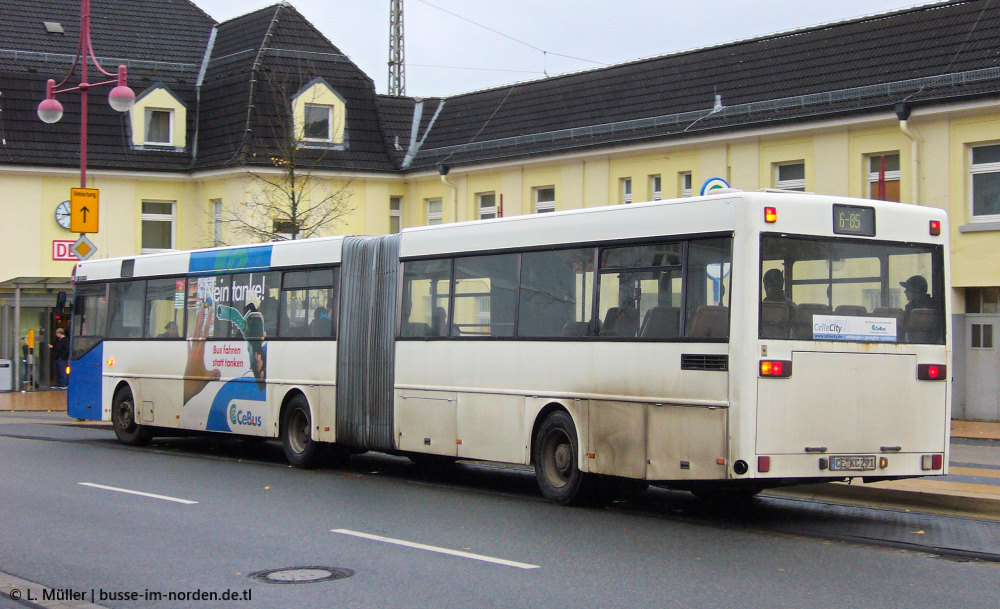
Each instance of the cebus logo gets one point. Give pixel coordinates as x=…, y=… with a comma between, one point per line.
x=238, y=417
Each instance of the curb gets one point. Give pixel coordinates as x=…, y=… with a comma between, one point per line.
x=966, y=505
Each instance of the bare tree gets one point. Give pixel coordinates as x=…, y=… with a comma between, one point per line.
x=285, y=198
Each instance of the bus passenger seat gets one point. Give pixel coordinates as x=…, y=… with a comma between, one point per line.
x=921, y=327
x=802, y=325
x=625, y=323
x=710, y=321
x=893, y=313
x=412, y=329
x=575, y=328
x=439, y=322
x=850, y=310
x=661, y=322
x=609, y=321
x=774, y=319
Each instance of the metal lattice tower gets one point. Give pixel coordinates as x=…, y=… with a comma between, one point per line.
x=397, y=67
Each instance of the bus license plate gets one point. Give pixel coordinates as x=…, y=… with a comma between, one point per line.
x=852, y=463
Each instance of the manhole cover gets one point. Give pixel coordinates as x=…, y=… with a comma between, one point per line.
x=301, y=575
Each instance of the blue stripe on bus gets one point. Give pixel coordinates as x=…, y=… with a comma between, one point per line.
x=83, y=398
x=249, y=258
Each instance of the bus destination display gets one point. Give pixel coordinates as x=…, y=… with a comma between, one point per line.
x=851, y=220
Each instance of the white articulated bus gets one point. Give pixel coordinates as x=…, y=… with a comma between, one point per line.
x=720, y=344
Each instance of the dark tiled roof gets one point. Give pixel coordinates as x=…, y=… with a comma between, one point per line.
x=130, y=32
x=617, y=104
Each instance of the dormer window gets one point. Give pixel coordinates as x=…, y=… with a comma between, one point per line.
x=158, y=120
x=319, y=115
x=159, y=126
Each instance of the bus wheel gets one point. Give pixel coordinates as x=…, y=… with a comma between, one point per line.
x=296, y=437
x=556, y=469
x=123, y=420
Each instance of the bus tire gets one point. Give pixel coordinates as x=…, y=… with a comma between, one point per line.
x=296, y=434
x=127, y=430
x=556, y=469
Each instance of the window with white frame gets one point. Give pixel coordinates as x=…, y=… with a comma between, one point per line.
x=157, y=226
x=625, y=189
x=790, y=176
x=395, y=214
x=656, y=187
x=317, y=123
x=159, y=126
x=487, y=203
x=984, y=171
x=883, y=176
x=435, y=211
x=216, y=221
x=684, y=183
x=545, y=199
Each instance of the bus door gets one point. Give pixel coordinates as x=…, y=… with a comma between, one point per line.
x=89, y=323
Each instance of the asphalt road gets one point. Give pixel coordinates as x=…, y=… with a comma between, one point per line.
x=215, y=512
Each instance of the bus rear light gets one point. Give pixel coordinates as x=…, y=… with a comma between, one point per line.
x=763, y=464
x=775, y=368
x=883, y=462
x=111, y=362
x=935, y=227
x=932, y=372
x=770, y=215
x=931, y=462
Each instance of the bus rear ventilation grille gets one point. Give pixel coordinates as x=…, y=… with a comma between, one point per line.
x=696, y=361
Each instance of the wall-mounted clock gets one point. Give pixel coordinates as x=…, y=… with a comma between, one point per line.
x=62, y=214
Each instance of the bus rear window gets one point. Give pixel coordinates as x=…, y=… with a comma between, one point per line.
x=851, y=290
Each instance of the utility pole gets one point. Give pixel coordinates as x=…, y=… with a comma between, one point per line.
x=397, y=66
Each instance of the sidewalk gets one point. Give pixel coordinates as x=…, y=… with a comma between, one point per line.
x=971, y=488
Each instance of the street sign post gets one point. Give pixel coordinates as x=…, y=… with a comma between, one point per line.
x=83, y=212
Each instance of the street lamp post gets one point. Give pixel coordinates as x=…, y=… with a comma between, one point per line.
x=121, y=98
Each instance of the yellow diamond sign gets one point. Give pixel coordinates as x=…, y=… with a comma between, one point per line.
x=83, y=248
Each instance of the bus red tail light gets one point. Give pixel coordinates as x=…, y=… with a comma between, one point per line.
x=763, y=464
x=770, y=215
x=932, y=372
x=935, y=227
x=775, y=368
x=932, y=462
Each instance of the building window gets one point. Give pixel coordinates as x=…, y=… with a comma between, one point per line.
x=684, y=183
x=985, y=174
x=158, y=126
x=883, y=176
x=982, y=300
x=982, y=336
x=625, y=189
x=317, y=125
x=435, y=211
x=157, y=226
x=216, y=221
x=395, y=214
x=487, y=202
x=790, y=176
x=656, y=187
x=545, y=199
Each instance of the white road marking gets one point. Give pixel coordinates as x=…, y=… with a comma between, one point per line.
x=140, y=493
x=420, y=546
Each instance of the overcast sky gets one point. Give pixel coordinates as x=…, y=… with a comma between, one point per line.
x=447, y=53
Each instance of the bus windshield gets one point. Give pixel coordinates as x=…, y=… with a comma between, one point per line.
x=813, y=288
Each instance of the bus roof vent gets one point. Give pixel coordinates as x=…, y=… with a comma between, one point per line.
x=128, y=267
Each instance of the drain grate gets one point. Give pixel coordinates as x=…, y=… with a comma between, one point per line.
x=301, y=575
